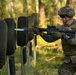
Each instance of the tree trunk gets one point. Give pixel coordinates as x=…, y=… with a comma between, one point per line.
x=37, y=6
x=42, y=13
x=69, y=2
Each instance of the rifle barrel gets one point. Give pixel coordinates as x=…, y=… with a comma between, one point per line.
x=42, y=29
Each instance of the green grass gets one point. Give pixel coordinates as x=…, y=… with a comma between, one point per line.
x=47, y=61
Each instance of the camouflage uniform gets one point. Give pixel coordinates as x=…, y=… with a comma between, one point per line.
x=69, y=48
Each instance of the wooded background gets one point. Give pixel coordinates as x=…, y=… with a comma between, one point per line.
x=47, y=9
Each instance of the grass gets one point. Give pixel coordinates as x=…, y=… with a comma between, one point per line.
x=47, y=61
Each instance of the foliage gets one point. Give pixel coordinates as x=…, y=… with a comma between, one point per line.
x=19, y=7
x=48, y=59
x=2, y=8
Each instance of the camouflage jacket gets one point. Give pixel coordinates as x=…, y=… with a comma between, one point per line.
x=69, y=46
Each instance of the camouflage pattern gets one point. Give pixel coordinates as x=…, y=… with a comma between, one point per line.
x=66, y=10
x=69, y=66
x=67, y=69
x=69, y=48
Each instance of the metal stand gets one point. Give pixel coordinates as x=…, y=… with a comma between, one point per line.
x=35, y=43
x=28, y=56
x=11, y=65
x=22, y=62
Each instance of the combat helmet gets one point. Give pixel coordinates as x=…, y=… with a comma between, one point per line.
x=66, y=10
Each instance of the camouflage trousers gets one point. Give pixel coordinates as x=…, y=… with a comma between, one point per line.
x=68, y=67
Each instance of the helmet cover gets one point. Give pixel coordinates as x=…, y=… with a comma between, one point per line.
x=66, y=10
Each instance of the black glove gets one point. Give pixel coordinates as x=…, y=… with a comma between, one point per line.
x=68, y=36
x=36, y=31
x=56, y=34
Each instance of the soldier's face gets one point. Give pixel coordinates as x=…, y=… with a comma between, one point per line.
x=66, y=20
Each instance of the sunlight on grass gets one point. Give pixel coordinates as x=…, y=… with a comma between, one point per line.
x=42, y=67
x=47, y=60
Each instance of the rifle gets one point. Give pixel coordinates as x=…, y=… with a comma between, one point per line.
x=69, y=33
x=49, y=29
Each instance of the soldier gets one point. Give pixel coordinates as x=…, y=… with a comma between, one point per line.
x=66, y=14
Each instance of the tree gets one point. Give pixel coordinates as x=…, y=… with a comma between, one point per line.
x=37, y=6
x=68, y=2
x=25, y=10
x=42, y=12
x=2, y=8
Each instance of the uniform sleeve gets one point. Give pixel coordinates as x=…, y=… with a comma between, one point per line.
x=48, y=38
x=72, y=41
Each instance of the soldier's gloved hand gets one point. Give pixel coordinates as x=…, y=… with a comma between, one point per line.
x=56, y=34
x=66, y=37
x=36, y=31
